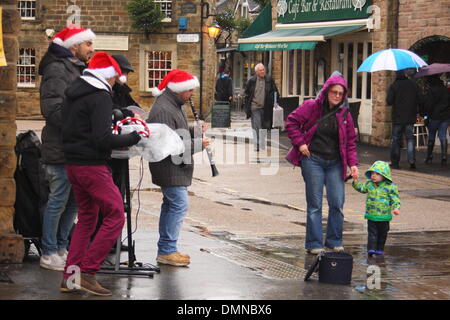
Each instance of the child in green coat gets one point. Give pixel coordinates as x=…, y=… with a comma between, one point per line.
x=382, y=200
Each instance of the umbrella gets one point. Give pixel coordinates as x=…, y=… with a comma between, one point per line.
x=434, y=68
x=391, y=59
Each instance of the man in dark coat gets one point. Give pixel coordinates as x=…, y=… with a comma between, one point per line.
x=404, y=97
x=87, y=144
x=224, y=87
x=121, y=91
x=260, y=93
x=174, y=175
x=60, y=66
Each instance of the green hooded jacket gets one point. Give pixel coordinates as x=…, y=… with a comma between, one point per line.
x=382, y=197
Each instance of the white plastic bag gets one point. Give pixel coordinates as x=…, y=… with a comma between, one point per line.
x=278, y=116
x=162, y=142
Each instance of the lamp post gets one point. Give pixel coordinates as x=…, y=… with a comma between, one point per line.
x=213, y=31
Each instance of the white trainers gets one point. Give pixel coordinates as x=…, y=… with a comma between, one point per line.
x=337, y=249
x=63, y=254
x=52, y=262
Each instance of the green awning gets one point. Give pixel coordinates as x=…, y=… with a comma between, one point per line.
x=304, y=38
x=262, y=23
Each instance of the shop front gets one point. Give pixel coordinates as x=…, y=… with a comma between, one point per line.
x=315, y=38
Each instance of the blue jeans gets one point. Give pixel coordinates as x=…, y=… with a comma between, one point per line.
x=439, y=126
x=173, y=211
x=397, y=132
x=60, y=212
x=317, y=173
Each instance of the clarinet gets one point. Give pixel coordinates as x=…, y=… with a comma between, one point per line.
x=214, y=170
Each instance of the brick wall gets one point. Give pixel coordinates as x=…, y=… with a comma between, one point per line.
x=11, y=245
x=111, y=18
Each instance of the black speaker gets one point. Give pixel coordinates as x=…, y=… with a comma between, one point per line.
x=336, y=267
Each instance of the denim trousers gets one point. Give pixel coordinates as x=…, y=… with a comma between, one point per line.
x=317, y=173
x=95, y=192
x=60, y=212
x=439, y=126
x=397, y=132
x=377, y=232
x=173, y=210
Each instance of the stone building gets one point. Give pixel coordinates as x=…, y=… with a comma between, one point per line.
x=309, y=39
x=152, y=57
x=11, y=245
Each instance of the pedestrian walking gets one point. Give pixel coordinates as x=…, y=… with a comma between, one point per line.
x=437, y=110
x=224, y=87
x=259, y=98
x=405, y=98
x=324, y=146
x=171, y=175
x=88, y=141
x=63, y=62
x=381, y=201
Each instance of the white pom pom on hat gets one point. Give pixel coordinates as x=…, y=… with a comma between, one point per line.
x=106, y=66
x=177, y=81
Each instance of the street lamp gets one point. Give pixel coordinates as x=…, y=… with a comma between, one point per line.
x=213, y=32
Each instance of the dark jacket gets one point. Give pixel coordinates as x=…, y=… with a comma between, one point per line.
x=270, y=89
x=168, y=109
x=58, y=68
x=122, y=97
x=437, y=102
x=224, y=88
x=405, y=99
x=87, y=121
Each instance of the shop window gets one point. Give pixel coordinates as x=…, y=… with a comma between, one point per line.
x=166, y=7
x=159, y=63
x=27, y=9
x=299, y=73
x=369, y=75
x=349, y=70
x=26, y=68
x=359, y=75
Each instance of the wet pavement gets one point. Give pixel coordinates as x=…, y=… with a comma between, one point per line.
x=245, y=236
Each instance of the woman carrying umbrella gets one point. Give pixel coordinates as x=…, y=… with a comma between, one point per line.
x=437, y=108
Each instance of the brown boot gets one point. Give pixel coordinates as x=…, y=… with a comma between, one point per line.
x=174, y=259
x=65, y=288
x=90, y=284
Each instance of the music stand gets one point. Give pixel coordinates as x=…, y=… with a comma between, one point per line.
x=121, y=177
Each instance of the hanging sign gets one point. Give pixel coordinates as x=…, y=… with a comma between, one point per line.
x=300, y=11
x=2, y=51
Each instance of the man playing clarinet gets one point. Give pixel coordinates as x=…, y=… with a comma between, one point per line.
x=174, y=174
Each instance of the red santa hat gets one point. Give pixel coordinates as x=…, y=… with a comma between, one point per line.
x=105, y=65
x=177, y=81
x=73, y=35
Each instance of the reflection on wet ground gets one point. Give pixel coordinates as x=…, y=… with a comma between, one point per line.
x=414, y=266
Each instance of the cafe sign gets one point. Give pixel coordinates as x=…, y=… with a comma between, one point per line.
x=300, y=11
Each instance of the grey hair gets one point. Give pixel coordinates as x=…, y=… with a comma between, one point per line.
x=259, y=65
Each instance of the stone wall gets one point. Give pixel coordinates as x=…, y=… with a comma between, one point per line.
x=111, y=18
x=11, y=245
x=385, y=37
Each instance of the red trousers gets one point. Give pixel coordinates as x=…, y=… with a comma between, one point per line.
x=94, y=192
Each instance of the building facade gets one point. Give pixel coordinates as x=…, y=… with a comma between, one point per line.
x=310, y=39
x=175, y=46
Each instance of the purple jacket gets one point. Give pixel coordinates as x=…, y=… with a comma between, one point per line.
x=301, y=125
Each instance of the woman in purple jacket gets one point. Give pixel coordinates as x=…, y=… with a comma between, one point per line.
x=324, y=145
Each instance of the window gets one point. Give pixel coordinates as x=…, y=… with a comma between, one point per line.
x=159, y=63
x=27, y=9
x=299, y=74
x=166, y=7
x=26, y=68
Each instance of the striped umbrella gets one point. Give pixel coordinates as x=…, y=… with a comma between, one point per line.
x=391, y=59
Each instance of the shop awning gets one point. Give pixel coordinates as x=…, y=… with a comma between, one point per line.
x=262, y=23
x=304, y=38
